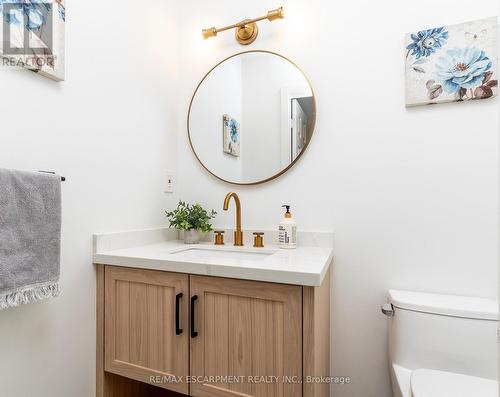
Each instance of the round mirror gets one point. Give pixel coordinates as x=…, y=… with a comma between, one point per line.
x=251, y=117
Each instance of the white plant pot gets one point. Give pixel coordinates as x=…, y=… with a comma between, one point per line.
x=191, y=236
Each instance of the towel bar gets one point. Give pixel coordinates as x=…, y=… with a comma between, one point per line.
x=52, y=172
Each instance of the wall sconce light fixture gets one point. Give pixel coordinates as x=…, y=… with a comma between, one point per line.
x=246, y=30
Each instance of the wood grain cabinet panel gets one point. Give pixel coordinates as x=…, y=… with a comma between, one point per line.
x=249, y=340
x=140, y=326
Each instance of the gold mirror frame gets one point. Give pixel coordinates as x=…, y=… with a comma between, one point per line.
x=294, y=161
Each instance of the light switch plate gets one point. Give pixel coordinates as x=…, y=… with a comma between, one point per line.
x=169, y=182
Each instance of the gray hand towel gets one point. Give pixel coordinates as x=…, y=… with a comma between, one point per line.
x=30, y=236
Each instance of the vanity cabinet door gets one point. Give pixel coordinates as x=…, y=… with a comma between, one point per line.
x=146, y=326
x=249, y=332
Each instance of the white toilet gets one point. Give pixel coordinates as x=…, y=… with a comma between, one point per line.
x=442, y=345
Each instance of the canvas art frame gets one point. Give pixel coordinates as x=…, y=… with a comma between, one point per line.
x=231, y=136
x=452, y=63
x=32, y=36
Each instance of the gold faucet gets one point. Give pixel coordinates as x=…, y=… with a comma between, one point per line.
x=238, y=234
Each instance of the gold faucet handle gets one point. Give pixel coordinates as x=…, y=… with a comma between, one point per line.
x=219, y=237
x=258, y=240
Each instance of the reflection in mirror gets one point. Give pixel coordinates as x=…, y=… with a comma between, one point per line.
x=251, y=117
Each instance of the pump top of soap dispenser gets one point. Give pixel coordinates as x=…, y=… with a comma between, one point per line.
x=288, y=214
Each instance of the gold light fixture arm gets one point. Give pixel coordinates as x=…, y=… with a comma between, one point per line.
x=246, y=30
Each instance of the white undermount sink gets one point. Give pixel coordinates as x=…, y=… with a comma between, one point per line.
x=213, y=254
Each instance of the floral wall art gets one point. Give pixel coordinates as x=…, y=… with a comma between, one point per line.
x=452, y=63
x=231, y=137
x=32, y=36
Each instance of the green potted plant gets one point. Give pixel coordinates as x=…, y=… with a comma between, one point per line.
x=192, y=219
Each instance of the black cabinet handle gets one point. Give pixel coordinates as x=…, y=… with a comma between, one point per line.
x=178, y=329
x=194, y=334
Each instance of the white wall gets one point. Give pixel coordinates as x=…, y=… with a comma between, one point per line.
x=411, y=194
x=110, y=129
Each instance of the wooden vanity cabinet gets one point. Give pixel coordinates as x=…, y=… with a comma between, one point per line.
x=146, y=326
x=249, y=331
x=239, y=338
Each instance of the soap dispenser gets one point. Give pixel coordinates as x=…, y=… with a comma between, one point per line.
x=287, y=230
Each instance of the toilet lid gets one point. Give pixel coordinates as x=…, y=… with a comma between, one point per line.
x=431, y=383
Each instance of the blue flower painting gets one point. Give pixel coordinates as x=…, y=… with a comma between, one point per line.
x=31, y=14
x=427, y=42
x=462, y=68
x=45, y=22
x=452, y=63
x=231, y=136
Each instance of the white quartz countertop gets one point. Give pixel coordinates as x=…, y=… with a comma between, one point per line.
x=157, y=249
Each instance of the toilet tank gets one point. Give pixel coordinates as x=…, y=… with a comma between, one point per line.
x=444, y=332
